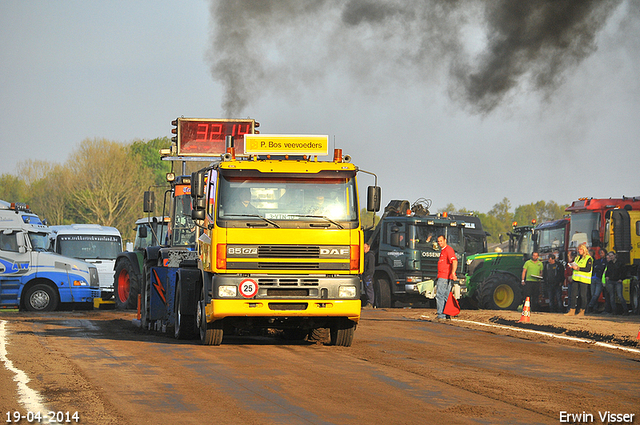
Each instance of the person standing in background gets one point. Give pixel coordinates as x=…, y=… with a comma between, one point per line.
x=367, y=276
x=531, y=276
x=582, y=270
x=447, y=265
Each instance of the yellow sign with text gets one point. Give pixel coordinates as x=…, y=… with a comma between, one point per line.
x=286, y=144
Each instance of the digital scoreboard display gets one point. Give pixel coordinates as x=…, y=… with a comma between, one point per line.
x=206, y=137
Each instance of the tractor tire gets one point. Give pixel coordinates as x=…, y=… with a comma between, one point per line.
x=126, y=286
x=41, y=297
x=185, y=326
x=342, y=333
x=500, y=291
x=382, y=290
x=210, y=333
x=145, y=295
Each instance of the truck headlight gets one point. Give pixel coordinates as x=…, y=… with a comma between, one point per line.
x=227, y=291
x=79, y=283
x=347, y=292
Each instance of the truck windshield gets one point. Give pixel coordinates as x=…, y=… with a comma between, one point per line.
x=582, y=224
x=290, y=198
x=154, y=236
x=424, y=237
x=89, y=247
x=550, y=239
x=39, y=241
x=525, y=243
x=475, y=243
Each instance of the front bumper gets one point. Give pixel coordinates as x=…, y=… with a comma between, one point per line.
x=221, y=308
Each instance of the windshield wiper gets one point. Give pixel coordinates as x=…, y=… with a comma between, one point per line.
x=254, y=215
x=321, y=216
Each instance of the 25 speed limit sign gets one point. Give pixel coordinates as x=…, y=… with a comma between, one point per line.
x=248, y=288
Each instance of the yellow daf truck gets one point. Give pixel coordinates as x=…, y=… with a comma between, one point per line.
x=279, y=242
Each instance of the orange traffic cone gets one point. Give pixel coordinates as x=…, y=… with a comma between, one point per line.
x=526, y=312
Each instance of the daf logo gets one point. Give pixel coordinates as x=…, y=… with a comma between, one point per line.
x=334, y=251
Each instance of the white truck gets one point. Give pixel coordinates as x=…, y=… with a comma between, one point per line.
x=93, y=243
x=32, y=277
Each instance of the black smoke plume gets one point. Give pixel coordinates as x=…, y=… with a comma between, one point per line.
x=484, y=50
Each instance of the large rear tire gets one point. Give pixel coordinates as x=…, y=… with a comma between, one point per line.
x=41, y=297
x=126, y=286
x=342, y=333
x=382, y=290
x=500, y=291
x=145, y=295
x=185, y=324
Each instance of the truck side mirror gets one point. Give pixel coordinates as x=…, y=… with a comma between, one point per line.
x=149, y=203
x=142, y=232
x=395, y=240
x=22, y=245
x=197, y=184
x=197, y=214
x=199, y=204
x=373, y=198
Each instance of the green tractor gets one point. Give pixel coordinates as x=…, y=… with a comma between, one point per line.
x=493, y=278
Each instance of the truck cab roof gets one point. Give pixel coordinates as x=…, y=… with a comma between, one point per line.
x=85, y=229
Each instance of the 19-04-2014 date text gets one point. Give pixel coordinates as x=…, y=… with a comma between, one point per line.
x=37, y=417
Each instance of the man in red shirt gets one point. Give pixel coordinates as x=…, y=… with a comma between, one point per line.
x=447, y=265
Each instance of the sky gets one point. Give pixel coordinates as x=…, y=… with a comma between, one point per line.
x=462, y=103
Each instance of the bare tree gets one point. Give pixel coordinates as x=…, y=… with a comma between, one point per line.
x=106, y=184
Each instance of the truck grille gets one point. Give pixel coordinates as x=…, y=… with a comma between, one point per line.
x=429, y=267
x=286, y=292
x=288, y=266
x=288, y=282
x=279, y=265
x=288, y=251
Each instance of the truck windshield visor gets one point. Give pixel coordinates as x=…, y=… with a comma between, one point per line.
x=90, y=247
x=282, y=198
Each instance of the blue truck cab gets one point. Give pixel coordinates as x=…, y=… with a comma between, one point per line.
x=32, y=277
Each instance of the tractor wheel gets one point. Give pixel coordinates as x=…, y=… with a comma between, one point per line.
x=382, y=290
x=125, y=286
x=342, y=333
x=145, y=295
x=41, y=297
x=500, y=291
x=185, y=324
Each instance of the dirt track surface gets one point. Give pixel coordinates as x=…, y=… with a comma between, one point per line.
x=402, y=369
